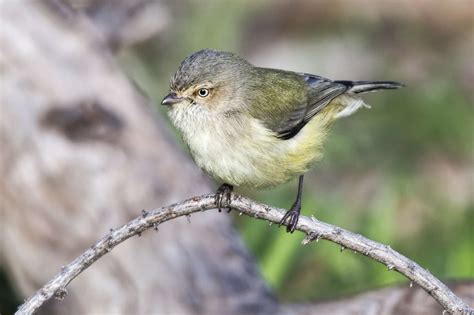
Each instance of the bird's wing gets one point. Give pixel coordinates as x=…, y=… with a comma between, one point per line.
x=321, y=92
x=302, y=96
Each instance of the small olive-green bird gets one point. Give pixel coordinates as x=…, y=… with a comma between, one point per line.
x=257, y=127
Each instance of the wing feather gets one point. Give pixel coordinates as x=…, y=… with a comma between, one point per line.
x=321, y=92
x=295, y=99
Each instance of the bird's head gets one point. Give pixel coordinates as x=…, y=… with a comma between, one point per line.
x=208, y=79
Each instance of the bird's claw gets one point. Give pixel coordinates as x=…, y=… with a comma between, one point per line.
x=223, y=197
x=291, y=217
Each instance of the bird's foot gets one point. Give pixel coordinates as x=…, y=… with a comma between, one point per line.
x=223, y=197
x=291, y=217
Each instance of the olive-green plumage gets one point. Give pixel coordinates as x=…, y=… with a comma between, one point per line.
x=257, y=127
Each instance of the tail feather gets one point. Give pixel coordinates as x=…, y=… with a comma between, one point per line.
x=353, y=103
x=358, y=87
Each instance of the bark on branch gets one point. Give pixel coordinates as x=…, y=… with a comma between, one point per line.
x=314, y=230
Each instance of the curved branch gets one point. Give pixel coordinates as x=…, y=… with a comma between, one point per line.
x=313, y=229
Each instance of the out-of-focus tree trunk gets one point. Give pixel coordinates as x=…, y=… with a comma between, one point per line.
x=82, y=152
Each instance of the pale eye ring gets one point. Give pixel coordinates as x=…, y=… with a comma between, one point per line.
x=203, y=92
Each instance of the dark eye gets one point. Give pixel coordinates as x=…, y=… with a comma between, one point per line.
x=203, y=92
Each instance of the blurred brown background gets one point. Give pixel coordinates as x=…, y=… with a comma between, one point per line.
x=400, y=173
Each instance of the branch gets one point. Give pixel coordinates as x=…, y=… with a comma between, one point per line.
x=314, y=230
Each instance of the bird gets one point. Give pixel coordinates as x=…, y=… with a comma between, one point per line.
x=255, y=127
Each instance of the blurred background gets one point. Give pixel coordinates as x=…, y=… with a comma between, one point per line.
x=400, y=173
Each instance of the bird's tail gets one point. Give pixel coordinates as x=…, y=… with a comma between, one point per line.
x=358, y=87
x=353, y=103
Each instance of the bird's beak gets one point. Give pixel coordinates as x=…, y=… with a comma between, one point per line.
x=171, y=99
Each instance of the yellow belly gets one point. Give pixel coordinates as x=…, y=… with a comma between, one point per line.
x=256, y=158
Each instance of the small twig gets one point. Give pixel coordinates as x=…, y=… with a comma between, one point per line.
x=313, y=228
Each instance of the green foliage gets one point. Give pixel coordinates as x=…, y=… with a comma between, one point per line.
x=444, y=244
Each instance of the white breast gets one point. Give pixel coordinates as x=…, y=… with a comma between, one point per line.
x=234, y=149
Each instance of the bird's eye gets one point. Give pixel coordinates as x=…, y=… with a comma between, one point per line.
x=203, y=92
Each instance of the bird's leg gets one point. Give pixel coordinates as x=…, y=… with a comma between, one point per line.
x=292, y=215
x=223, y=196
